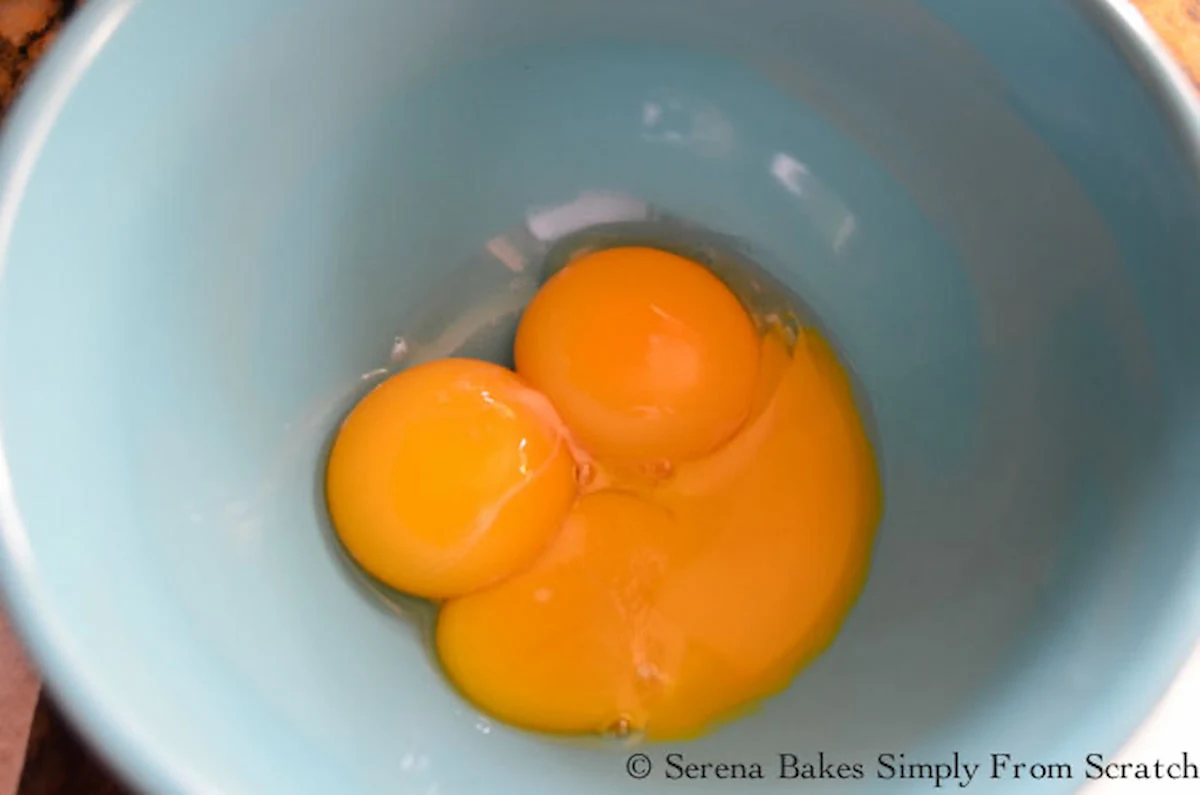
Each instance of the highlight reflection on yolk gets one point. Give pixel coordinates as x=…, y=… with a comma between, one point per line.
x=448, y=477
x=642, y=599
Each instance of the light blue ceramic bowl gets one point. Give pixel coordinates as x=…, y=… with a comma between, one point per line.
x=218, y=216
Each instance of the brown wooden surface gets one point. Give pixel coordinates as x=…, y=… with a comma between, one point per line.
x=27, y=27
x=57, y=763
x=1178, y=23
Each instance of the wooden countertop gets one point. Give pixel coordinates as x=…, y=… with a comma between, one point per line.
x=1178, y=23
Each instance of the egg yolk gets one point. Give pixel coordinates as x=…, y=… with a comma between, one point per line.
x=448, y=477
x=572, y=645
x=784, y=515
x=582, y=594
x=645, y=354
x=666, y=610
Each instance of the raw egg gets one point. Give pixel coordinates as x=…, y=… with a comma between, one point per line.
x=574, y=644
x=448, y=477
x=585, y=595
x=689, y=599
x=645, y=354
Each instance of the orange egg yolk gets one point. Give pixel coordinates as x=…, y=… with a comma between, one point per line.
x=448, y=477
x=654, y=599
x=646, y=355
x=666, y=606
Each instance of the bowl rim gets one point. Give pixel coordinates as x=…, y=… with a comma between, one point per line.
x=1178, y=98
x=109, y=727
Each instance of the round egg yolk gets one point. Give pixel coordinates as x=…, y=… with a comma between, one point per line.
x=645, y=354
x=448, y=477
x=573, y=645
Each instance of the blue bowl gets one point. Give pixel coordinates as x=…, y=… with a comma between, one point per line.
x=218, y=217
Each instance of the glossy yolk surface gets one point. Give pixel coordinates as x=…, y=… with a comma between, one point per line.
x=646, y=355
x=786, y=513
x=558, y=647
x=663, y=608
x=654, y=598
x=448, y=477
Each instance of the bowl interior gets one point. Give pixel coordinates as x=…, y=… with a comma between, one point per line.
x=240, y=208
